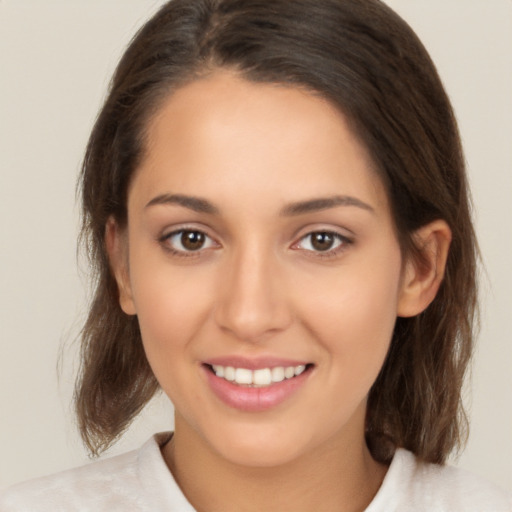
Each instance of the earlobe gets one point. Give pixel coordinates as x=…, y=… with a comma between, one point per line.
x=117, y=250
x=422, y=277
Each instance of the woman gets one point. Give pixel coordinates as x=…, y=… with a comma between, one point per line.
x=276, y=207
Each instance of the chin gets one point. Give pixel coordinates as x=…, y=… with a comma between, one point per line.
x=258, y=447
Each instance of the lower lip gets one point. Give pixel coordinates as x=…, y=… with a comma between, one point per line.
x=252, y=399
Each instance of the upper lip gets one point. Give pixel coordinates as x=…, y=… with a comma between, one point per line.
x=253, y=363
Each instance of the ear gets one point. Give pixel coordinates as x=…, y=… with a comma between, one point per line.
x=422, y=276
x=116, y=243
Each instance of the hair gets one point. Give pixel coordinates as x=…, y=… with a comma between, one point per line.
x=365, y=60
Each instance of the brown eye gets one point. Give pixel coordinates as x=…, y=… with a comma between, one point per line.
x=192, y=240
x=327, y=242
x=187, y=241
x=322, y=241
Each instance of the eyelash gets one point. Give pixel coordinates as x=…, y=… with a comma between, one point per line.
x=165, y=240
x=341, y=240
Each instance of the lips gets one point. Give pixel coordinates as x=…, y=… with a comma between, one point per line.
x=255, y=385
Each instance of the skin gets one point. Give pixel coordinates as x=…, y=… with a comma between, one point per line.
x=258, y=287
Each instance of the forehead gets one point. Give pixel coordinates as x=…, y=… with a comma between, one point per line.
x=223, y=135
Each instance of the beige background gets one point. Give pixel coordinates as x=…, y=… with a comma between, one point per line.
x=55, y=61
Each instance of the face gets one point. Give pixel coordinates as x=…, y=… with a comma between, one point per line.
x=263, y=266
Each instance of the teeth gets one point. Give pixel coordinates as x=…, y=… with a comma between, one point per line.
x=262, y=377
x=277, y=374
x=243, y=376
x=299, y=369
x=219, y=370
x=289, y=372
x=229, y=373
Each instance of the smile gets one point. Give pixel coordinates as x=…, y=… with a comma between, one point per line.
x=262, y=377
x=265, y=386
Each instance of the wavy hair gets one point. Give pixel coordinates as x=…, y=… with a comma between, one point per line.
x=365, y=60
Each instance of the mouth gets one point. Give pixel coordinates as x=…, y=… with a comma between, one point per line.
x=258, y=378
x=263, y=387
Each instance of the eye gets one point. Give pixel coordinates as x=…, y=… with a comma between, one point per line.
x=322, y=241
x=187, y=241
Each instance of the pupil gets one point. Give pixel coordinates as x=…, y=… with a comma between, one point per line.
x=322, y=241
x=192, y=240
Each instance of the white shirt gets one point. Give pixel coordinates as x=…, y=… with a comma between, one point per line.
x=139, y=481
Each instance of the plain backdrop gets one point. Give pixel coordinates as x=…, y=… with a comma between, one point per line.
x=56, y=58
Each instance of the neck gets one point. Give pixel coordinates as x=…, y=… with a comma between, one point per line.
x=338, y=476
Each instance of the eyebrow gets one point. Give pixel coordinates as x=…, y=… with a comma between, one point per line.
x=324, y=203
x=200, y=205
x=192, y=203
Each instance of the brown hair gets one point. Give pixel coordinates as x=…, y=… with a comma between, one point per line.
x=367, y=61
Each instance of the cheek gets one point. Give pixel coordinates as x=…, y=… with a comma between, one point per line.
x=353, y=316
x=170, y=311
x=171, y=307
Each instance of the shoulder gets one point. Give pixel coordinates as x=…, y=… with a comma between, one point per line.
x=125, y=483
x=430, y=487
x=72, y=489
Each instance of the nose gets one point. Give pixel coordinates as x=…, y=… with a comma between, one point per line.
x=252, y=303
